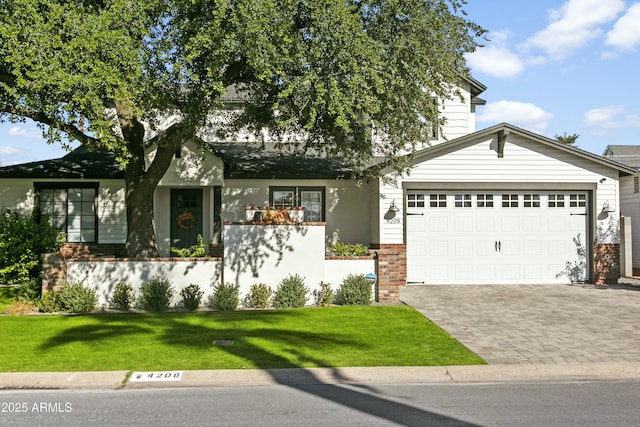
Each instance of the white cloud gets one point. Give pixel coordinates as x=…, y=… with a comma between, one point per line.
x=625, y=34
x=496, y=59
x=573, y=25
x=7, y=150
x=25, y=132
x=523, y=114
x=600, y=120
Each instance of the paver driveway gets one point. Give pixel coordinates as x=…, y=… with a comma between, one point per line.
x=519, y=324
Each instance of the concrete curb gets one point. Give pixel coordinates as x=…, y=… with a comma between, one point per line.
x=313, y=376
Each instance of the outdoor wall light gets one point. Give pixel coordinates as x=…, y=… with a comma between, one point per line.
x=393, y=207
x=606, y=208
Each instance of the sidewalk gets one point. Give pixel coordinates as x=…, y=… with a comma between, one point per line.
x=294, y=377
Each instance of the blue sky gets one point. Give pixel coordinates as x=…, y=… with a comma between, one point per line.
x=551, y=67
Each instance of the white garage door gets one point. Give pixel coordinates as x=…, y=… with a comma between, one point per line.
x=484, y=237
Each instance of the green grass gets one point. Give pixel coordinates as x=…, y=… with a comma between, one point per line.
x=7, y=294
x=307, y=337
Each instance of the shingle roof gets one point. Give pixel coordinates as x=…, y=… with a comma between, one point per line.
x=625, y=154
x=78, y=164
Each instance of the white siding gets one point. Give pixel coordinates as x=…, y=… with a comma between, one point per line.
x=112, y=213
x=17, y=195
x=347, y=205
x=524, y=161
x=630, y=206
x=197, y=166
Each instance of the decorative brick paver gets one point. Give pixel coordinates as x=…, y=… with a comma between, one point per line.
x=548, y=324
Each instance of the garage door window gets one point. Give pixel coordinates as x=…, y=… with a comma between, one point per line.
x=437, y=200
x=531, y=201
x=462, y=201
x=556, y=200
x=577, y=200
x=415, y=200
x=484, y=200
x=509, y=200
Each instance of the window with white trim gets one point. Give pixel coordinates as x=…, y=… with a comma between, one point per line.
x=462, y=200
x=437, y=200
x=484, y=200
x=70, y=208
x=510, y=201
x=531, y=201
x=415, y=200
x=556, y=200
x=310, y=198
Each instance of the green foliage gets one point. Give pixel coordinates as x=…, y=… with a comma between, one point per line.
x=123, y=296
x=225, y=297
x=76, y=298
x=259, y=296
x=291, y=293
x=156, y=294
x=50, y=302
x=325, y=295
x=29, y=291
x=339, y=248
x=195, y=251
x=22, y=240
x=191, y=296
x=355, y=290
x=331, y=70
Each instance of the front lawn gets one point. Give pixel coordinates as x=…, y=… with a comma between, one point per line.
x=308, y=337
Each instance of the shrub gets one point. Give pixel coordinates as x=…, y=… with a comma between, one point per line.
x=156, y=294
x=225, y=297
x=20, y=308
x=123, y=296
x=195, y=251
x=50, y=302
x=191, y=296
x=29, y=292
x=259, y=296
x=291, y=293
x=22, y=239
x=355, y=290
x=339, y=248
x=76, y=298
x=324, y=296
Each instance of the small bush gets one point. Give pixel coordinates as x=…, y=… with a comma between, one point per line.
x=29, y=292
x=225, y=297
x=259, y=296
x=50, y=302
x=355, y=290
x=324, y=296
x=76, y=298
x=156, y=294
x=291, y=293
x=191, y=296
x=20, y=308
x=195, y=251
x=123, y=296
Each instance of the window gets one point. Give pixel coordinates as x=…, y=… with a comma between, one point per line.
x=636, y=184
x=484, y=200
x=509, y=200
x=437, y=200
x=310, y=198
x=70, y=208
x=531, y=201
x=556, y=200
x=462, y=200
x=415, y=200
x=577, y=200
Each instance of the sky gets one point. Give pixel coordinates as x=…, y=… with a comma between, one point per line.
x=553, y=67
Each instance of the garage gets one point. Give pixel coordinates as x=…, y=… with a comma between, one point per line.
x=495, y=236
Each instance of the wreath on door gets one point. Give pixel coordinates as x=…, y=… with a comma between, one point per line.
x=186, y=221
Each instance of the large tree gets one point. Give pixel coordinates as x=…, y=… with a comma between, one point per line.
x=104, y=71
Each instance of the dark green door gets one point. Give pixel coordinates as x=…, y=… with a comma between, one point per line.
x=186, y=217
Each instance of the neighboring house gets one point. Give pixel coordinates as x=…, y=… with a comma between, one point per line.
x=629, y=193
x=499, y=205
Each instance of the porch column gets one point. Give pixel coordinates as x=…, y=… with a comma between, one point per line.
x=392, y=272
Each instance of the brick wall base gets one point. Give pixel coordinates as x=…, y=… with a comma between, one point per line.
x=392, y=272
x=92, y=250
x=606, y=263
x=54, y=272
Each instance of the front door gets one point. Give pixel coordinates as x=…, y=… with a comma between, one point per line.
x=186, y=217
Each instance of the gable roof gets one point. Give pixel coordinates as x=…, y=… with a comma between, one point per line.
x=81, y=163
x=626, y=154
x=504, y=129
